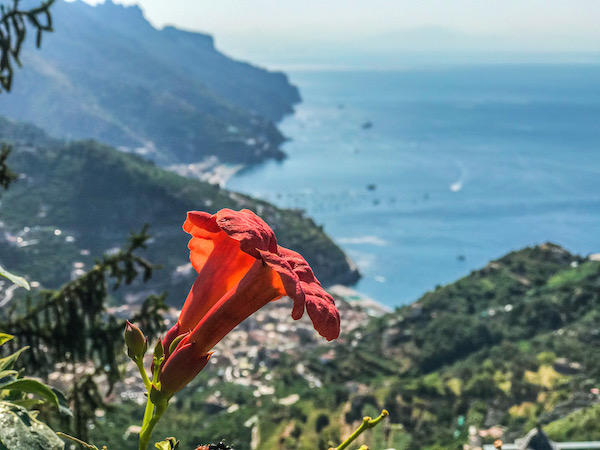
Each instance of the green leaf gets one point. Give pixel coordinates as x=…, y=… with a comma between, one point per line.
x=8, y=361
x=27, y=403
x=20, y=281
x=8, y=375
x=33, y=387
x=5, y=338
x=63, y=404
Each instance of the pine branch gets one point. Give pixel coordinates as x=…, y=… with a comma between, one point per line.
x=7, y=176
x=13, y=29
x=70, y=325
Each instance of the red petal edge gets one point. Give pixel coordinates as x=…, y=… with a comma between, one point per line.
x=306, y=291
x=251, y=231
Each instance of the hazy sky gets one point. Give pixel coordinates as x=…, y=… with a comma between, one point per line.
x=281, y=31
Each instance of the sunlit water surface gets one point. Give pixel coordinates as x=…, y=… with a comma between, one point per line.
x=461, y=165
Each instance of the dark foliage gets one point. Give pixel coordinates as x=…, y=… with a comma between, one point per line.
x=13, y=30
x=219, y=446
x=7, y=176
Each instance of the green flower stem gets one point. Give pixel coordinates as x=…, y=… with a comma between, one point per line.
x=148, y=413
x=151, y=417
x=146, y=432
x=139, y=362
x=365, y=425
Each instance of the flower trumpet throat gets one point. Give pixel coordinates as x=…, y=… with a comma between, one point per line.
x=240, y=269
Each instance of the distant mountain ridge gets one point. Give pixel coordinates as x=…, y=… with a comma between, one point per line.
x=106, y=73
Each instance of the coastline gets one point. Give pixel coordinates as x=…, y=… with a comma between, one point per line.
x=210, y=170
x=353, y=297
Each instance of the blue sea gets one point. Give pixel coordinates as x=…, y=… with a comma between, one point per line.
x=425, y=174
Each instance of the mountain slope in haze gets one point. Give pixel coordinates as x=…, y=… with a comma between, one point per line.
x=107, y=74
x=74, y=201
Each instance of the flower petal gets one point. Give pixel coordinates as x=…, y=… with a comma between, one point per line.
x=289, y=279
x=250, y=230
x=322, y=311
x=258, y=287
x=206, y=237
x=306, y=291
x=240, y=269
x=220, y=263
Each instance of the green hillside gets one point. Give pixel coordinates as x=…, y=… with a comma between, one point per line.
x=510, y=345
x=74, y=201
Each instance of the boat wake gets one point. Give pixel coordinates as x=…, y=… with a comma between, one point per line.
x=460, y=183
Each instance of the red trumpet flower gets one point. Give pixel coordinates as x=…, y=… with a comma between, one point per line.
x=240, y=269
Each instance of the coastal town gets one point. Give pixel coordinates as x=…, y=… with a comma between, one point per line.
x=244, y=355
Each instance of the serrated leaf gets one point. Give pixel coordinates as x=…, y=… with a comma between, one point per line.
x=8, y=361
x=20, y=281
x=5, y=338
x=33, y=387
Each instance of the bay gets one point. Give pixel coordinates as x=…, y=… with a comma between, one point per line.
x=424, y=174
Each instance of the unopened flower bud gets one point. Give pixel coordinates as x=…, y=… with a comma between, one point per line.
x=136, y=342
x=159, y=350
